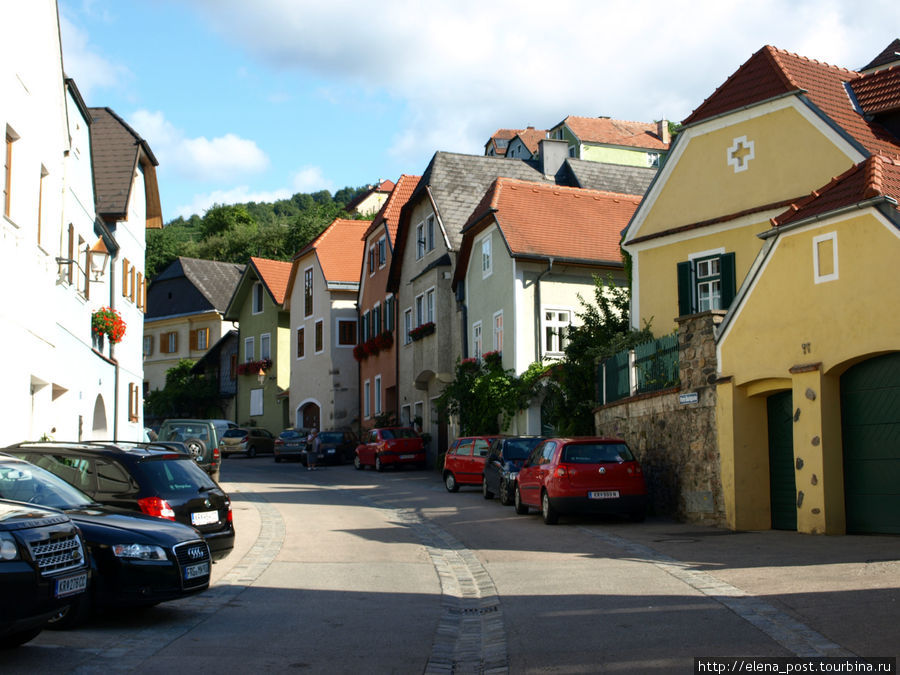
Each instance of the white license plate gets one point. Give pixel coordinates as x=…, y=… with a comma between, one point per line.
x=606, y=494
x=70, y=585
x=407, y=456
x=196, y=571
x=204, y=518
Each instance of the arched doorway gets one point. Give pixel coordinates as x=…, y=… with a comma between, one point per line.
x=782, y=479
x=870, y=420
x=309, y=416
x=99, y=426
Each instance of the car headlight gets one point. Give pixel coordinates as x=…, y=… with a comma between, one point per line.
x=8, y=548
x=139, y=552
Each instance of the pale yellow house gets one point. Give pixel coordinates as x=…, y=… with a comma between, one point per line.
x=777, y=207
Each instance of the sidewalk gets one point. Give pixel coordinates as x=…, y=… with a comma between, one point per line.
x=847, y=588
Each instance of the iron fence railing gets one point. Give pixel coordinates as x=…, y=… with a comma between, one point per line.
x=648, y=367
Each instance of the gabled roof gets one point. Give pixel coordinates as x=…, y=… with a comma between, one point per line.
x=339, y=248
x=531, y=138
x=274, y=275
x=878, y=92
x=383, y=186
x=877, y=176
x=772, y=72
x=890, y=54
x=389, y=215
x=615, y=132
x=215, y=283
x=116, y=152
x=549, y=221
x=500, y=139
x=631, y=180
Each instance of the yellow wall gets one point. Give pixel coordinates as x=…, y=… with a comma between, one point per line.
x=658, y=287
x=792, y=157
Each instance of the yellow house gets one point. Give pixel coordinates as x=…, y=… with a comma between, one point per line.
x=778, y=206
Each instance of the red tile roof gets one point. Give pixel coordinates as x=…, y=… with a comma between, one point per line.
x=390, y=212
x=274, y=275
x=549, y=221
x=339, y=249
x=879, y=92
x=876, y=176
x=616, y=132
x=772, y=72
x=531, y=137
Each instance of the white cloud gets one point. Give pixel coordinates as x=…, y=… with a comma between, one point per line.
x=237, y=195
x=223, y=158
x=85, y=65
x=311, y=179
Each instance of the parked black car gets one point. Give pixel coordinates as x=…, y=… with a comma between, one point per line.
x=43, y=568
x=291, y=443
x=141, y=477
x=501, y=468
x=337, y=447
x=137, y=560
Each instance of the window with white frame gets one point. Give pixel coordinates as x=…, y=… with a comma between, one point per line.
x=371, y=260
x=265, y=346
x=320, y=336
x=382, y=252
x=308, y=292
x=706, y=281
x=825, y=257
x=476, y=340
x=257, y=298
x=556, y=323
x=346, y=332
x=429, y=306
x=420, y=241
x=148, y=345
x=498, y=331
x=420, y=310
x=429, y=233
x=406, y=415
x=256, y=402
x=377, y=394
x=486, y=260
x=367, y=398
x=301, y=342
x=709, y=284
x=407, y=326
x=376, y=319
x=364, y=329
x=249, y=349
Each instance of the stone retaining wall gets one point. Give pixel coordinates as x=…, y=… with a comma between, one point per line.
x=673, y=432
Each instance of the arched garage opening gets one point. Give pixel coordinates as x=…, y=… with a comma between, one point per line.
x=870, y=419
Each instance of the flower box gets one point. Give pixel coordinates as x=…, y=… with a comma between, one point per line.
x=107, y=321
x=419, y=332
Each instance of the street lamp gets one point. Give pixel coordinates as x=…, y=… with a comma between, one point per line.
x=98, y=255
x=261, y=375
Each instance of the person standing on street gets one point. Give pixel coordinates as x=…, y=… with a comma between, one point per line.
x=312, y=449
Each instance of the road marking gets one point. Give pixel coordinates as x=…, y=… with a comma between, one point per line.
x=798, y=638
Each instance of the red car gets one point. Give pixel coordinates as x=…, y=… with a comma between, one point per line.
x=390, y=446
x=464, y=461
x=581, y=475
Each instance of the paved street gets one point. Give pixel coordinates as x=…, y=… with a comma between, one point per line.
x=341, y=571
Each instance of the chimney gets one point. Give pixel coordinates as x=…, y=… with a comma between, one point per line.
x=553, y=155
x=662, y=130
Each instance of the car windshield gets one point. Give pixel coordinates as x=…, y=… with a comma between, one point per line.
x=519, y=448
x=596, y=453
x=290, y=435
x=235, y=433
x=331, y=437
x=171, y=476
x=28, y=483
x=398, y=433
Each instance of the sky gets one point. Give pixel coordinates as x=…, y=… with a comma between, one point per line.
x=255, y=101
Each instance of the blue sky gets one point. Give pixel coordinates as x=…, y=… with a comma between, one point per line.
x=258, y=100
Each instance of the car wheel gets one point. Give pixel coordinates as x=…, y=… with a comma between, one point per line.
x=251, y=451
x=378, y=465
x=20, y=638
x=450, y=482
x=485, y=491
x=505, y=498
x=357, y=464
x=521, y=508
x=197, y=448
x=551, y=517
x=70, y=616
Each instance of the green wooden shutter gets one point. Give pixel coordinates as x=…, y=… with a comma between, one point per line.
x=685, y=288
x=729, y=286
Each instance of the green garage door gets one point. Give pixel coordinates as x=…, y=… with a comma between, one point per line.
x=782, y=482
x=870, y=416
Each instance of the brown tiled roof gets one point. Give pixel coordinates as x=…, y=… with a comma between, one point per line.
x=550, y=221
x=501, y=135
x=389, y=215
x=615, y=132
x=772, y=72
x=274, y=275
x=889, y=54
x=116, y=151
x=878, y=92
x=339, y=249
x=875, y=176
x=531, y=137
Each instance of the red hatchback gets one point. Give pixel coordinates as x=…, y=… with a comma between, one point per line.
x=390, y=446
x=581, y=475
x=464, y=461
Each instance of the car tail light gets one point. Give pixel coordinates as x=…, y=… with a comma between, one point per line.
x=230, y=517
x=278, y=441
x=155, y=506
x=216, y=454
